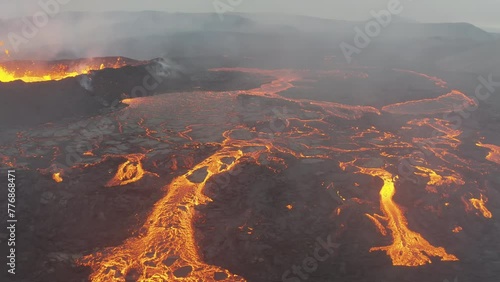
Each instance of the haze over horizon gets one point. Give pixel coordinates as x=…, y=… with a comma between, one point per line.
x=483, y=16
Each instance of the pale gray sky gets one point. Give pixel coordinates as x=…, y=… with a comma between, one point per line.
x=483, y=13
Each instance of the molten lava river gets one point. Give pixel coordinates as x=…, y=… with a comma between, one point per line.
x=251, y=178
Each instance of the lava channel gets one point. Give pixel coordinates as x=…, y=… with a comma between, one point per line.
x=408, y=248
x=167, y=250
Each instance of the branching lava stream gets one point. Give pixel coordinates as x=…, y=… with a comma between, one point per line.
x=408, y=248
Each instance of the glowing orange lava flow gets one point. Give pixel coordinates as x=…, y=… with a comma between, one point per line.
x=494, y=154
x=168, y=250
x=437, y=180
x=480, y=204
x=36, y=73
x=57, y=177
x=128, y=172
x=409, y=248
x=455, y=100
x=166, y=247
